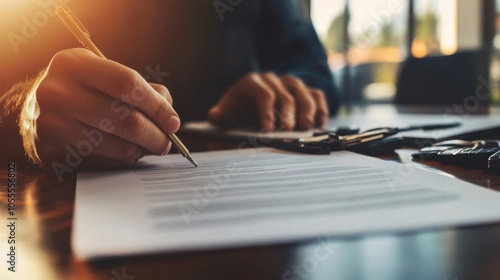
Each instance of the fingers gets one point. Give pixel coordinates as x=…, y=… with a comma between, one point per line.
x=265, y=99
x=322, y=113
x=112, y=116
x=237, y=104
x=121, y=120
x=88, y=142
x=285, y=102
x=118, y=82
x=163, y=91
x=306, y=104
x=286, y=99
x=109, y=146
x=103, y=110
x=222, y=114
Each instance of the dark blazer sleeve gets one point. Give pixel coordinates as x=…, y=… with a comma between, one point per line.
x=288, y=44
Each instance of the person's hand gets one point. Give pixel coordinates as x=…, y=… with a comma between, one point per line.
x=96, y=112
x=276, y=102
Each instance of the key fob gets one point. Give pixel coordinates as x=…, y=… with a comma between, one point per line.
x=467, y=157
x=494, y=163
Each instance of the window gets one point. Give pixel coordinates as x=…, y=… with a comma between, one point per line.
x=495, y=65
x=366, y=40
x=435, y=28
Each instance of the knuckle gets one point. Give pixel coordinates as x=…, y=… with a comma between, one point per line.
x=127, y=81
x=287, y=107
x=63, y=56
x=321, y=101
x=252, y=77
x=287, y=98
x=266, y=94
x=60, y=61
x=293, y=82
x=269, y=74
x=166, y=93
x=59, y=57
x=289, y=78
x=161, y=111
x=161, y=89
x=310, y=104
x=81, y=52
x=164, y=90
x=134, y=125
x=291, y=108
x=67, y=56
x=322, y=112
x=308, y=107
x=318, y=94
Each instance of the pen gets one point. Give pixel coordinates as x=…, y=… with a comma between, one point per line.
x=81, y=33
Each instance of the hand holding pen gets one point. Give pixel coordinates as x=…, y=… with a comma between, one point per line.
x=79, y=31
x=98, y=113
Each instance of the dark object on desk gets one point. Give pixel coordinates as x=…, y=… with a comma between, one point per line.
x=370, y=142
x=348, y=130
x=378, y=147
x=324, y=143
x=444, y=80
x=494, y=163
x=479, y=154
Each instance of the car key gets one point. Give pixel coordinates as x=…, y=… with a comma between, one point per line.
x=472, y=157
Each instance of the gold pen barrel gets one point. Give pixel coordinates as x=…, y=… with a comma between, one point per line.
x=181, y=148
x=77, y=28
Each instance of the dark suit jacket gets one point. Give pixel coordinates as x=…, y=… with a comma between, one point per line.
x=225, y=41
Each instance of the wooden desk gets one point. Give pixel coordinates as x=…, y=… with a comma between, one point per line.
x=45, y=209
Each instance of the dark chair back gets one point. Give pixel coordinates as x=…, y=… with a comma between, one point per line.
x=443, y=80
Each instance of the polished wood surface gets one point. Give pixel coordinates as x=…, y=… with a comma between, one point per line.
x=45, y=209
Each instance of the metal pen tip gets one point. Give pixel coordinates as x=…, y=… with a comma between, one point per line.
x=191, y=159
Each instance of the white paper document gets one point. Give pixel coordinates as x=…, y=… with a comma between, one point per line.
x=263, y=196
